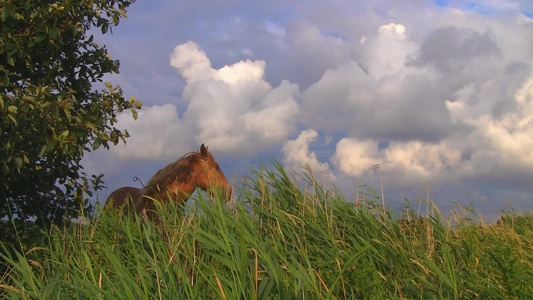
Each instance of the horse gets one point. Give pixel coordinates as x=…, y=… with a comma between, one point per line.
x=176, y=182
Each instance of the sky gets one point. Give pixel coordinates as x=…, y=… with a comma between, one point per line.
x=421, y=98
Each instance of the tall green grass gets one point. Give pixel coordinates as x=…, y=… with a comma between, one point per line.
x=279, y=240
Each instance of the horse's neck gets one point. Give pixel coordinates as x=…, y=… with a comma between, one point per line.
x=181, y=190
x=177, y=190
x=177, y=180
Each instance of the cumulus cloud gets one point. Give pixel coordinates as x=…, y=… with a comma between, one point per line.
x=232, y=109
x=452, y=105
x=391, y=45
x=296, y=154
x=191, y=63
x=463, y=46
x=308, y=44
x=157, y=134
x=507, y=140
x=402, y=164
x=355, y=157
x=374, y=93
x=497, y=149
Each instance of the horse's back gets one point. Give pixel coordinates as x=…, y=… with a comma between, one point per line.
x=119, y=197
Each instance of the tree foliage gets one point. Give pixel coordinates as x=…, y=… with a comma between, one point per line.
x=50, y=111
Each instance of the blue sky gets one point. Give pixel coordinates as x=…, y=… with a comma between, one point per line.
x=439, y=94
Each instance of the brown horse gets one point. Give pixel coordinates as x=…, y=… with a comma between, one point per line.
x=177, y=181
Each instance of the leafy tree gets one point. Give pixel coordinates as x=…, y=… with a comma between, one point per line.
x=50, y=112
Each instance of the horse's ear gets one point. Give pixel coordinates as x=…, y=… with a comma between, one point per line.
x=203, y=150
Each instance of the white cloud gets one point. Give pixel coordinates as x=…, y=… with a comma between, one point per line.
x=233, y=108
x=451, y=104
x=386, y=52
x=377, y=87
x=509, y=138
x=191, y=63
x=494, y=148
x=354, y=157
x=311, y=52
x=296, y=154
x=403, y=164
x=421, y=164
x=157, y=134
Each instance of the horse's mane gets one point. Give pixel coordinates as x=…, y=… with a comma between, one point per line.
x=177, y=171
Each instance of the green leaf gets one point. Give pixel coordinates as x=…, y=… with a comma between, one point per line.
x=18, y=162
x=10, y=60
x=67, y=114
x=91, y=126
x=6, y=80
x=53, y=33
x=115, y=19
x=134, y=114
x=105, y=28
x=97, y=143
x=64, y=135
x=5, y=169
x=4, y=14
x=43, y=151
x=10, y=116
x=39, y=38
x=50, y=287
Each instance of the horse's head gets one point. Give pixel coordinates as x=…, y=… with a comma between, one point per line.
x=209, y=176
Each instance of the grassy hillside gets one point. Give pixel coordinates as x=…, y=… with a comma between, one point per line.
x=278, y=241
